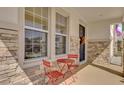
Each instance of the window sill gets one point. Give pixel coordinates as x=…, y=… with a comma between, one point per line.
x=33, y=62
x=61, y=55
x=34, y=59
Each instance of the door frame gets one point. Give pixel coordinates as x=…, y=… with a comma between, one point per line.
x=83, y=61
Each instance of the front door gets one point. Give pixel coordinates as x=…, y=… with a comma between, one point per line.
x=82, y=42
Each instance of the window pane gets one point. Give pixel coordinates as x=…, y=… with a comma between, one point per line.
x=37, y=17
x=43, y=43
x=41, y=23
x=28, y=44
x=60, y=44
x=38, y=22
x=36, y=41
x=38, y=11
x=61, y=24
x=61, y=28
x=35, y=44
x=44, y=18
x=28, y=19
x=29, y=9
x=44, y=12
x=44, y=24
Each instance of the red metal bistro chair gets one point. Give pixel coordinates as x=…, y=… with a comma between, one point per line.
x=75, y=57
x=52, y=75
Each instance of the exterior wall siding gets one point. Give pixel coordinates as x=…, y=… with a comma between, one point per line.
x=74, y=45
x=95, y=48
x=10, y=70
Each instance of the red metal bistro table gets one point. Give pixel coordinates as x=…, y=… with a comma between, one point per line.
x=66, y=62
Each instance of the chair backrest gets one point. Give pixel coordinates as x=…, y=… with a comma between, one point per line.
x=46, y=63
x=60, y=60
x=72, y=55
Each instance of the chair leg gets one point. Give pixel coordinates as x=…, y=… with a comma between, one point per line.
x=65, y=82
x=48, y=81
x=52, y=81
x=70, y=71
x=63, y=75
x=73, y=78
x=44, y=80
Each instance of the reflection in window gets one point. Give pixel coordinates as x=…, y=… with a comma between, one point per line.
x=60, y=44
x=61, y=34
x=35, y=44
x=36, y=17
x=61, y=24
x=36, y=30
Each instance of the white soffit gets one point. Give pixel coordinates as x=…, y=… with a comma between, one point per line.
x=92, y=14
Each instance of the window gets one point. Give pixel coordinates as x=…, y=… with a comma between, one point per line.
x=61, y=34
x=36, y=32
x=37, y=18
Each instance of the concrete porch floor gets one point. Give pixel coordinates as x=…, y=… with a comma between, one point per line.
x=94, y=76
x=98, y=72
x=101, y=73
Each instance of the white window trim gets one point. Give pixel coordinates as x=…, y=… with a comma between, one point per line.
x=36, y=29
x=37, y=15
x=51, y=37
x=34, y=61
x=41, y=30
x=65, y=14
x=38, y=58
x=62, y=34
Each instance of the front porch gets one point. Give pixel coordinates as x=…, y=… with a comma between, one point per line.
x=32, y=34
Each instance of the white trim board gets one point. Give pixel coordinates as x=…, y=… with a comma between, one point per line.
x=6, y=25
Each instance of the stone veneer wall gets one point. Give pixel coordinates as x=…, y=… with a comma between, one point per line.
x=103, y=58
x=10, y=71
x=95, y=48
x=74, y=45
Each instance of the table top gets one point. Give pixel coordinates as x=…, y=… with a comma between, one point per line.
x=65, y=60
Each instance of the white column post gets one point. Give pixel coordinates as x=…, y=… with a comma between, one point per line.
x=52, y=32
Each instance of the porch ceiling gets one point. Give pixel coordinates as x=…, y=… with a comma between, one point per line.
x=91, y=14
